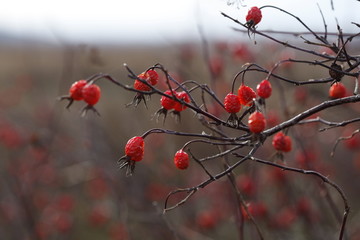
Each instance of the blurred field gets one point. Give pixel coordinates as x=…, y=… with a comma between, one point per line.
x=59, y=178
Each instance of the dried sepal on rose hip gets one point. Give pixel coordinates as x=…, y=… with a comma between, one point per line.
x=75, y=92
x=256, y=122
x=253, y=16
x=181, y=159
x=134, y=152
x=282, y=142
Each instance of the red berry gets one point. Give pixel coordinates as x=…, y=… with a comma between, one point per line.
x=232, y=103
x=246, y=185
x=254, y=16
x=152, y=77
x=337, y=90
x=167, y=102
x=246, y=95
x=138, y=85
x=217, y=65
x=264, y=89
x=91, y=94
x=134, y=148
x=257, y=122
x=76, y=90
x=284, y=218
x=207, y=219
x=281, y=142
x=181, y=159
x=255, y=209
x=182, y=96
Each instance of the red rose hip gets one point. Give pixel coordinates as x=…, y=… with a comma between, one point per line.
x=91, y=94
x=76, y=90
x=253, y=16
x=232, y=103
x=257, y=122
x=182, y=96
x=167, y=102
x=181, y=159
x=281, y=142
x=134, y=148
x=138, y=85
x=246, y=95
x=337, y=90
x=152, y=77
x=264, y=89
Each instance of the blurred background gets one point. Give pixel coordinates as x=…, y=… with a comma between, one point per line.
x=59, y=178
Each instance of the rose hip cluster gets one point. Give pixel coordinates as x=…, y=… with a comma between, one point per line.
x=134, y=152
x=150, y=76
x=173, y=100
x=176, y=100
x=256, y=121
x=143, y=83
x=245, y=97
x=84, y=90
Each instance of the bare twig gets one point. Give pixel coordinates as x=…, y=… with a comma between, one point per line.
x=342, y=139
x=307, y=113
x=323, y=178
x=192, y=190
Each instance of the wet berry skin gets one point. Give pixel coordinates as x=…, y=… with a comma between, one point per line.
x=257, y=122
x=134, y=148
x=264, y=89
x=253, y=16
x=246, y=95
x=167, y=102
x=181, y=160
x=76, y=90
x=281, y=142
x=337, y=90
x=152, y=77
x=91, y=94
x=182, y=96
x=138, y=85
x=232, y=103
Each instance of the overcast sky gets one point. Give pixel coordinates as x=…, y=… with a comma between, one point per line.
x=160, y=20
